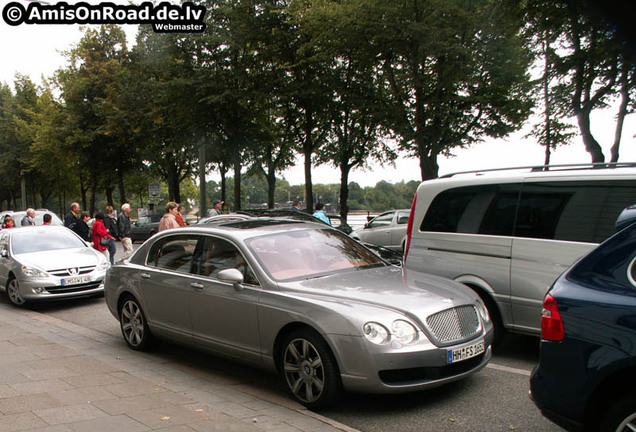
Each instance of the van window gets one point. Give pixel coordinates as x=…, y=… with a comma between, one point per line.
x=581, y=211
x=488, y=209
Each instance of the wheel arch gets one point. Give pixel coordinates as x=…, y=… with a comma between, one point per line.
x=286, y=331
x=606, y=392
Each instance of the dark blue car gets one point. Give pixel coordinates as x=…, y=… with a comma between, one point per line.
x=586, y=377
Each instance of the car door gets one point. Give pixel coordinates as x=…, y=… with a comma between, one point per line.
x=398, y=229
x=224, y=316
x=378, y=231
x=165, y=283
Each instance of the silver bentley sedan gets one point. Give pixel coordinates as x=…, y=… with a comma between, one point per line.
x=302, y=299
x=48, y=263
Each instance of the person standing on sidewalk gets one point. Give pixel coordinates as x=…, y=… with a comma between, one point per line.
x=125, y=230
x=180, y=215
x=169, y=219
x=111, y=225
x=71, y=219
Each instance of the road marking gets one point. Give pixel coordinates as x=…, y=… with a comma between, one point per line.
x=509, y=369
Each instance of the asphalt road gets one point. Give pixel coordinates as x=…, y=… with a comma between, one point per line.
x=495, y=399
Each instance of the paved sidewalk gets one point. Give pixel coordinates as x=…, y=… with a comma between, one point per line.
x=56, y=376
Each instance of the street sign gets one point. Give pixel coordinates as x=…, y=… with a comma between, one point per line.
x=154, y=190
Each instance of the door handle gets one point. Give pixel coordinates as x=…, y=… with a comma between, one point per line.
x=145, y=276
x=196, y=285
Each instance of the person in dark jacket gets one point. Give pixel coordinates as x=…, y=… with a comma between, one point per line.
x=111, y=225
x=81, y=226
x=72, y=218
x=125, y=230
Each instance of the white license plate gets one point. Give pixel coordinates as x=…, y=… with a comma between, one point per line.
x=466, y=352
x=76, y=280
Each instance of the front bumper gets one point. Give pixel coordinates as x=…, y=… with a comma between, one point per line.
x=369, y=368
x=33, y=290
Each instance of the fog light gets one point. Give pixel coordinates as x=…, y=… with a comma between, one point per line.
x=38, y=290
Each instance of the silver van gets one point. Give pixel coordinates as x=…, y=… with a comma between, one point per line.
x=509, y=233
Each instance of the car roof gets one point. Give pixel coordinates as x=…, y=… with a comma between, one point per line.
x=250, y=227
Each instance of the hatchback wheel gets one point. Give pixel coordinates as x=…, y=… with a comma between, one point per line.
x=133, y=324
x=310, y=370
x=13, y=292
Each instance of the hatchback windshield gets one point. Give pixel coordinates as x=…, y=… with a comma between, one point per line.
x=310, y=253
x=37, y=240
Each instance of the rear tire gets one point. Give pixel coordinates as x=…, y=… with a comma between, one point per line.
x=620, y=415
x=134, y=326
x=309, y=369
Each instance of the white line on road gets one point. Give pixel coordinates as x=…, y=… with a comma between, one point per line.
x=508, y=369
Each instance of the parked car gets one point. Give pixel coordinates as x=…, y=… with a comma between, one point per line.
x=585, y=376
x=39, y=214
x=388, y=229
x=303, y=299
x=48, y=263
x=145, y=227
x=508, y=234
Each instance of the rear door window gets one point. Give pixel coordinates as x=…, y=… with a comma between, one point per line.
x=174, y=253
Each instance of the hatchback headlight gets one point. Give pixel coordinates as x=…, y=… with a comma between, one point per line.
x=376, y=333
x=33, y=272
x=104, y=265
x=404, y=331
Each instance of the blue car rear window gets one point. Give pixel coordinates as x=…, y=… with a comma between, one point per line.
x=610, y=267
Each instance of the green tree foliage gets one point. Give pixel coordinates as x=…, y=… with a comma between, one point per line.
x=451, y=72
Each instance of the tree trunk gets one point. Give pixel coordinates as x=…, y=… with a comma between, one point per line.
x=428, y=166
x=620, y=117
x=122, y=191
x=344, y=190
x=591, y=145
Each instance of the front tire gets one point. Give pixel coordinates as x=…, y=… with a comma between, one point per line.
x=134, y=326
x=13, y=292
x=309, y=370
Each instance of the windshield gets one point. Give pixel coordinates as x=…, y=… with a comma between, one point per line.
x=310, y=253
x=42, y=239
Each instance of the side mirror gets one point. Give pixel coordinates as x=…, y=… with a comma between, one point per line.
x=232, y=276
x=626, y=218
x=4, y=253
x=367, y=225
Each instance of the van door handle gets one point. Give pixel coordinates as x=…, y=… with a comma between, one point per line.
x=196, y=285
x=145, y=276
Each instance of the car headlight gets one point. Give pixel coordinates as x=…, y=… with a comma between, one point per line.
x=33, y=272
x=104, y=265
x=376, y=333
x=404, y=331
x=483, y=311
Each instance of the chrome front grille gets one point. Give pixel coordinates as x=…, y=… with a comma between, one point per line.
x=454, y=325
x=72, y=271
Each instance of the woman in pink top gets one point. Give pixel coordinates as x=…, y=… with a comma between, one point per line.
x=169, y=219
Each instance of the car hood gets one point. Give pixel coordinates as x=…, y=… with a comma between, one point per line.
x=59, y=259
x=384, y=287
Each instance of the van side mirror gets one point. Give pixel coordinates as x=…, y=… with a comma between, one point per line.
x=626, y=218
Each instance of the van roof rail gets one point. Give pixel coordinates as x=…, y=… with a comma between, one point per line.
x=539, y=168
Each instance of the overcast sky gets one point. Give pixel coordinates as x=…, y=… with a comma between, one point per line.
x=35, y=51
